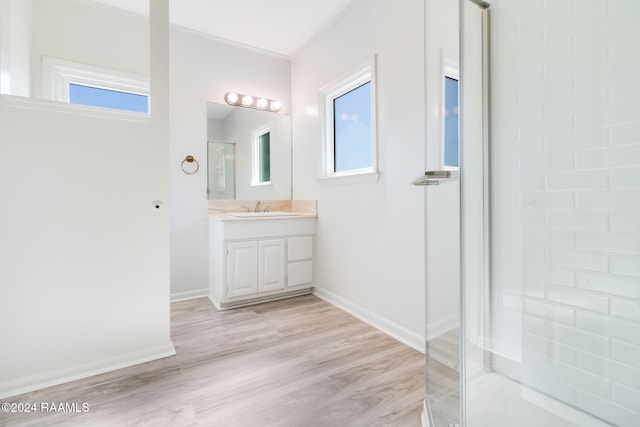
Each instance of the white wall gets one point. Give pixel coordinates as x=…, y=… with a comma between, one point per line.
x=566, y=141
x=370, y=241
x=83, y=255
x=103, y=36
x=203, y=70
x=15, y=47
x=216, y=130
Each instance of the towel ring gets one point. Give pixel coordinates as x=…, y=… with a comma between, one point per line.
x=190, y=159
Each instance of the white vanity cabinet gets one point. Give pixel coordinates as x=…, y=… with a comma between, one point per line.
x=260, y=259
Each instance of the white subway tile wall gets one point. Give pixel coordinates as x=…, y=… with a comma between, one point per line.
x=566, y=112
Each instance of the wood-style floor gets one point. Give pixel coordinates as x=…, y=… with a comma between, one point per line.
x=298, y=362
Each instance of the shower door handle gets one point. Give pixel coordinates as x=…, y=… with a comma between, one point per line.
x=481, y=4
x=436, y=177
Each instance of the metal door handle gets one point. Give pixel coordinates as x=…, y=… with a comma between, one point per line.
x=435, y=177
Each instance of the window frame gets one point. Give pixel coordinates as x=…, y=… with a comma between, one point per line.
x=327, y=95
x=255, y=151
x=59, y=74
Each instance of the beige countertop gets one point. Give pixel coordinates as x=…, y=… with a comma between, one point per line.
x=220, y=209
x=226, y=217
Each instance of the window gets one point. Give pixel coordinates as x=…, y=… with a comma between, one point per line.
x=349, y=136
x=84, y=84
x=352, y=129
x=107, y=98
x=262, y=156
x=451, y=120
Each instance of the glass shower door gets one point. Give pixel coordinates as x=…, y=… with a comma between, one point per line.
x=222, y=170
x=550, y=213
x=442, y=322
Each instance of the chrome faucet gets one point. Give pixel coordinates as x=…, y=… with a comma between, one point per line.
x=257, y=209
x=246, y=208
x=266, y=209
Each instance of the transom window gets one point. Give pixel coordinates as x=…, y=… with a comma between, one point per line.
x=107, y=98
x=84, y=84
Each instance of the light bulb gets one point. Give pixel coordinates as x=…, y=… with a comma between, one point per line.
x=275, y=105
x=232, y=97
x=247, y=100
x=262, y=103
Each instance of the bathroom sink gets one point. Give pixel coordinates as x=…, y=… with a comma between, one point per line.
x=261, y=214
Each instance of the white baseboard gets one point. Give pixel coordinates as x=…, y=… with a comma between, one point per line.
x=215, y=302
x=183, y=296
x=258, y=300
x=442, y=326
x=403, y=335
x=52, y=378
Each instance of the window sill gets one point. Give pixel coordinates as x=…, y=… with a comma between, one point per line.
x=359, y=178
x=266, y=186
x=63, y=107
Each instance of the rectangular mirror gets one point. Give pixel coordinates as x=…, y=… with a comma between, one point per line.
x=248, y=154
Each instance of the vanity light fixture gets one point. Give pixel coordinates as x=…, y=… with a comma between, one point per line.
x=231, y=97
x=248, y=101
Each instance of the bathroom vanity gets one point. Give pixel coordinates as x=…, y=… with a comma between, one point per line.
x=256, y=258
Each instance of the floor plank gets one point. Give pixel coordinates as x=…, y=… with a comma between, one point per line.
x=294, y=362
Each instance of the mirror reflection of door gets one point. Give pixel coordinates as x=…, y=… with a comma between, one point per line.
x=222, y=175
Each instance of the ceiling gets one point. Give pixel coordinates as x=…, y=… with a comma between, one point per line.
x=280, y=26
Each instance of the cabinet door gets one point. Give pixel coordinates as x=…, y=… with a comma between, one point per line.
x=242, y=273
x=270, y=265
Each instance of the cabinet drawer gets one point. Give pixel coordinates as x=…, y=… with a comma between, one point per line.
x=300, y=248
x=300, y=273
